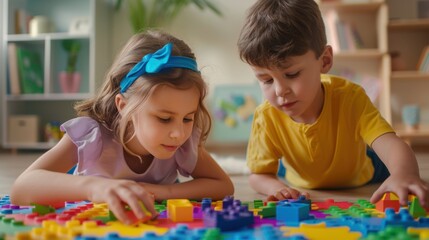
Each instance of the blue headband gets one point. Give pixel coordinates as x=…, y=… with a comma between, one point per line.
x=155, y=63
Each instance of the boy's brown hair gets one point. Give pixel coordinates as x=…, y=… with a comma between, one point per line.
x=277, y=29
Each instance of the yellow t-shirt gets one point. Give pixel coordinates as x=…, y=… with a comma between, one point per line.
x=330, y=153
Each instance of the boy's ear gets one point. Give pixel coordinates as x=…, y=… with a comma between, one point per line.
x=120, y=102
x=327, y=60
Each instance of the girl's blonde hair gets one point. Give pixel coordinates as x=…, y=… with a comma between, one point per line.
x=102, y=107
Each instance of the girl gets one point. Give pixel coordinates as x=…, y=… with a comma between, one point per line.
x=148, y=122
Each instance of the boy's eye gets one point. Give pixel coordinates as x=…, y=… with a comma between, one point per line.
x=267, y=81
x=292, y=75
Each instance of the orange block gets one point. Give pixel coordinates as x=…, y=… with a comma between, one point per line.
x=180, y=210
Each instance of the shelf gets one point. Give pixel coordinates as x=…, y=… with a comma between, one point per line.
x=50, y=96
x=409, y=75
x=409, y=24
x=360, y=53
x=363, y=6
x=45, y=36
x=421, y=132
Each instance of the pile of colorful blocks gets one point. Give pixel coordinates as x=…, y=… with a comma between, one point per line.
x=227, y=219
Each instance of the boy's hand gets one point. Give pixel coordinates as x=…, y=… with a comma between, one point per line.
x=402, y=185
x=286, y=193
x=118, y=193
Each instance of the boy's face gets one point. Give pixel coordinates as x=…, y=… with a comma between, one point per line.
x=295, y=87
x=164, y=121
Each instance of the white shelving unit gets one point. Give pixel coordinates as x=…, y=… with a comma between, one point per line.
x=93, y=60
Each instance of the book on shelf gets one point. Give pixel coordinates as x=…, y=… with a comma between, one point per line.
x=12, y=63
x=22, y=21
x=423, y=62
x=341, y=35
x=30, y=69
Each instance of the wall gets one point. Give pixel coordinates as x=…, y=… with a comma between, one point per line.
x=212, y=38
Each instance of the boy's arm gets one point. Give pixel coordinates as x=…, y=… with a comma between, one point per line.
x=209, y=181
x=404, y=171
x=273, y=187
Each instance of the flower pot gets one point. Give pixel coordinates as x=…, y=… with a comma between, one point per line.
x=69, y=82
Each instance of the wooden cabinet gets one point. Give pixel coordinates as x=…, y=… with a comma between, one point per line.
x=40, y=28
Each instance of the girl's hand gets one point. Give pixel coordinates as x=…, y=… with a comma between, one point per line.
x=402, y=185
x=286, y=193
x=119, y=193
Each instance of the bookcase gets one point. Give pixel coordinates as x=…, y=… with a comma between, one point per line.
x=358, y=33
x=384, y=54
x=408, y=36
x=45, y=102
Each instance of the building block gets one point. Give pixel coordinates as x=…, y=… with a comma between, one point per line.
x=416, y=210
x=292, y=213
x=320, y=231
x=180, y=210
x=234, y=217
x=389, y=200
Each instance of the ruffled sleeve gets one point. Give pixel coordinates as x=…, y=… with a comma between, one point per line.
x=187, y=154
x=85, y=133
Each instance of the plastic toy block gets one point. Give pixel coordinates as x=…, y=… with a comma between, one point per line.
x=130, y=214
x=389, y=200
x=9, y=226
x=403, y=218
x=233, y=218
x=328, y=203
x=180, y=210
x=227, y=202
x=292, y=212
x=42, y=210
x=206, y=203
x=269, y=210
x=416, y=210
x=394, y=233
x=320, y=231
x=365, y=204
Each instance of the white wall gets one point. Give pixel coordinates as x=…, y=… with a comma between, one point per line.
x=212, y=38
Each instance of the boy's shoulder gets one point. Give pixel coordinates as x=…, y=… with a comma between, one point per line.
x=339, y=84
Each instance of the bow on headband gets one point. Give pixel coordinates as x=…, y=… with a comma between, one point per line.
x=156, y=62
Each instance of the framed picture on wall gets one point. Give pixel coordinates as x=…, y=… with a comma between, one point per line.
x=232, y=107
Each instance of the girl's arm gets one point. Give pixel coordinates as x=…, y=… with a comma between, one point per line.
x=209, y=180
x=404, y=171
x=46, y=182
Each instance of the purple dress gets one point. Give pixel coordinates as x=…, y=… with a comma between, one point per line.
x=100, y=154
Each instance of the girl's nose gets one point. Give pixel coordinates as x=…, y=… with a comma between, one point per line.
x=177, y=132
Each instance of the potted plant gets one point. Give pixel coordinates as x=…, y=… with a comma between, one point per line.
x=70, y=79
x=145, y=14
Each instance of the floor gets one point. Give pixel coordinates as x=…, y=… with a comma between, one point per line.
x=11, y=165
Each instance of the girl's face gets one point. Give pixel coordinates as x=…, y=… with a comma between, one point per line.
x=165, y=122
x=295, y=88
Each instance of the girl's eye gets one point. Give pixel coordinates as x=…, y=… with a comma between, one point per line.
x=164, y=120
x=188, y=120
x=292, y=75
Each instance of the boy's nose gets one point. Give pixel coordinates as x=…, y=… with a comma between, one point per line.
x=281, y=90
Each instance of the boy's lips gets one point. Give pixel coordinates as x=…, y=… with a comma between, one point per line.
x=287, y=105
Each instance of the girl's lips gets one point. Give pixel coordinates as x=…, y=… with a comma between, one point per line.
x=170, y=148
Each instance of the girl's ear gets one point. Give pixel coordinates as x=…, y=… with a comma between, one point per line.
x=327, y=59
x=120, y=102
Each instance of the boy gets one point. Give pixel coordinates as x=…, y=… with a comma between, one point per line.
x=323, y=128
